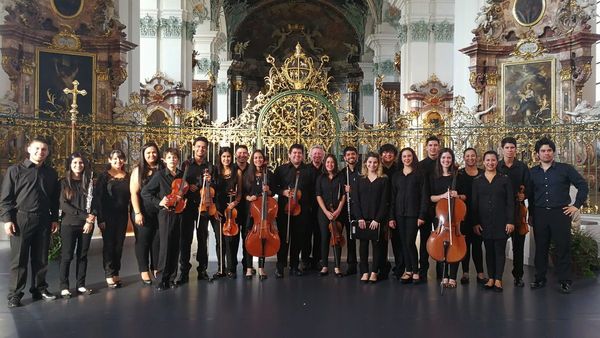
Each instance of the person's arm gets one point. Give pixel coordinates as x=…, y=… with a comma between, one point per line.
x=393, y=192
x=510, y=202
x=8, y=198
x=136, y=201
x=580, y=184
x=384, y=204
x=239, y=184
x=99, y=194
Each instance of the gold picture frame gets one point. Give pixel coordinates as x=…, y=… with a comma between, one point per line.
x=528, y=13
x=67, y=9
x=528, y=92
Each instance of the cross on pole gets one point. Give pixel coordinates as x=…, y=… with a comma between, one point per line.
x=75, y=91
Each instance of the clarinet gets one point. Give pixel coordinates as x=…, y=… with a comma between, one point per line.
x=352, y=230
x=90, y=192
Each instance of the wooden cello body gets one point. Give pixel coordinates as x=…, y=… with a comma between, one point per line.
x=263, y=240
x=446, y=243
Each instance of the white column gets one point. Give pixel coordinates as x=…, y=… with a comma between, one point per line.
x=222, y=113
x=384, y=46
x=367, y=92
x=464, y=18
x=129, y=15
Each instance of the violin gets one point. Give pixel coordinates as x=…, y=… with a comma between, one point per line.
x=230, y=227
x=179, y=187
x=446, y=243
x=207, y=195
x=263, y=239
x=335, y=228
x=293, y=207
x=524, y=227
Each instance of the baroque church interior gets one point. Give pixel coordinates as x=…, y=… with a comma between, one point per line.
x=271, y=73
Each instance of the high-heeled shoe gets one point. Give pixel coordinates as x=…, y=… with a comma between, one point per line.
x=338, y=273
x=364, y=278
x=323, y=273
x=373, y=278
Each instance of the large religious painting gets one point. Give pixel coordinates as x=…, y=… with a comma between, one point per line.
x=528, y=12
x=67, y=8
x=527, y=95
x=55, y=71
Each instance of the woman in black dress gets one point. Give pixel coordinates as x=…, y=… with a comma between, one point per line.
x=331, y=202
x=114, y=199
x=371, y=210
x=474, y=241
x=253, y=190
x=228, y=191
x=492, y=209
x=445, y=176
x=408, y=209
x=77, y=225
x=144, y=215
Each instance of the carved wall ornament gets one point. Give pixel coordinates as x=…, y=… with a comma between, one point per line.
x=490, y=22
x=477, y=81
x=492, y=78
x=529, y=48
x=66, y=39
x=443, y=31
x=170, y=27
x=403, y=34
x=148, y=26
x=385, y=67
x=222, y=88
x=419, y=31
x=573, y=15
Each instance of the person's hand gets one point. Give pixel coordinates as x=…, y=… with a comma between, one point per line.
x=251, y=198
x=509, y=229
x=90, y=218
x=392, y=224
x=420, y=222
x=374, y=225
x=570, y=210
x=163, y=202
x=54, y=227
x=335, y=214
x=266, y=188
x=347, y=188
x=10, y=229
x=88, y=228
x=362, y=224
x=286, y=193
x=139, y=219
x=477, y=229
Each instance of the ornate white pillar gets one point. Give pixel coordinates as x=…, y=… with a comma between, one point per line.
x=367, y=92
x=223, y=92
x=384, y=46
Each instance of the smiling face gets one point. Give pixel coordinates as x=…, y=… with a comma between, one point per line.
x=241, y=155
x=350, y=157
x=433, y=148
x=226, y=159
x=150, y=155
x=388, y=157
x=296, y=156
x=258, y=159
x=372, y=164
x=38, y=152
x=470, y=158
x=77, y=166
x=116, y=162
x=316, y=155
x=407, y=158
x=490, y=162
x=446, y=160
x=330, y=164
x=200, y=149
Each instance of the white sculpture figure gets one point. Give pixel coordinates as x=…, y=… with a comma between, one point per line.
x=7, y=105
x=479, y=115
x=585, y=112
x=588, y=6
x=484, y=16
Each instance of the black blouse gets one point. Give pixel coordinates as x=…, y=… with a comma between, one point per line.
x=285, y=178
x=113, y=195
x=468, y=181
x=493, y=205
x=408, y=196
x=372, y=199
x=73, y=211
x=330, y=190
x=224, y=186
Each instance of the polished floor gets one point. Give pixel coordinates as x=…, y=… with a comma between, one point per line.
x=307, y=306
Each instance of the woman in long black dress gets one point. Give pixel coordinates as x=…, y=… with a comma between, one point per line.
x=114, y=199
x=492, y=209
x=446, y=177
x=253, y=190
x=473, y=240
x=408, y=209
x=143, y=214
x=371, y=210
x=228, y=191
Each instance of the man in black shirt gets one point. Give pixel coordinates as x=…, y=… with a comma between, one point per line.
x=241, y=162
x=427, y=165
x=518, y=172
x=198, y=169
x=285, y=181
x=351, y=174
x=311, y=251
x=29, y=212
x=551, y=211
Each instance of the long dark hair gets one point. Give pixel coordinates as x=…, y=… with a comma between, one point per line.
x=70, y=190
x=335, y=165
x=252, y=169
x=144, y=167
x=415, y=160
x=220, y=167
x=439, y=171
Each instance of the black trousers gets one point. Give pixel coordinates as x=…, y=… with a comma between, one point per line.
x=424, y=232
x=113, y=237
x=325, y=237
x=311, y=251
x=147, y=242
x=74, y=241
x=552, y=225
x=169, y=227
x=474, y=250
x=495, y=257
x=230, y=248
x=32, y=236
x=406, y=232
x=188, y=224
x=364, y=255
x=384, y=266
x=518, y=248
x=298, y=229
x=350, y=244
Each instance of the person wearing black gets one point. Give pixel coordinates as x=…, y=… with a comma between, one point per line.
x=388, y=154
x=473, y=240
x=550, y=212
x=285, y=181
x=169, y=222
x=199, y=169
x=241, y=163
x=518, y=172
x=372, y=192
x=492, y=212
x=331, y=200
x=114, y=199
x=253, y=190
x=145, y=215
x=311, y=252
x=446, y=178
x=427, y=165
x=29, y=212
x=228, y=191
x=78, y=213
x=408, y=209
x=350, y=176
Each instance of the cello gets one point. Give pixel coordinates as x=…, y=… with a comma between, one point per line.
x=263, y=239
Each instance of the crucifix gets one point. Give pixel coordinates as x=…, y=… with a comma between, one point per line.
x=75, y=91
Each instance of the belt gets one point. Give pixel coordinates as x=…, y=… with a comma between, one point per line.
x=550, y=208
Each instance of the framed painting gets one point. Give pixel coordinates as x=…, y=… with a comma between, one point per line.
x=67, y=9
x=528, y=12
x=528, y=92
x=55, y=71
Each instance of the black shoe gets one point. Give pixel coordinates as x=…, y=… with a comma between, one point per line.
x=231, y=275
x=173, y=285
x=350, y=271
x=565, y=287
x=263, y=277
x=14, y=301
x=278, y=274
x=538, y=284
x=147, y=281
x=44, y=294
x=248, y=277
x=183, y=279
x=481, y=280
x=464, y=280
x=498, y=289
x=218, y=275
x=519, y=282
x=296, y=272
x=82, y=290
x=323, y=273
x=162, y=286
x=203, y=275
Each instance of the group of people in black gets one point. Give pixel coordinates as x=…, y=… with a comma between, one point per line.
x=390, y=199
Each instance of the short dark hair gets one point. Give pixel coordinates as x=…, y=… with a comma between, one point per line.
x=491, y=152
x=200, y=139
x=389, y=148
x=432, y=138
x=508, y=139
x=350, y=148
x=470, y=148
x=296, y=146
x=173, y=151
x=241, y=146
x=544, y=141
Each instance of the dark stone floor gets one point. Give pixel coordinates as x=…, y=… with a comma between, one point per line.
x=308, y=306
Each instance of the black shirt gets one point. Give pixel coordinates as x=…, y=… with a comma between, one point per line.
x=372, y=199
x=74, y=210
x=390, y=171
x=29, y=188
x=285, y=178
x=408, y=198
x=492, y=205
x=330, y=190
x=195, y=176
x=159, y=186
x=113, y=195
x=518, y=174
x=253, y=183
x=351, y=177
x=550, y=188
x=226, y=185
x=468, y=182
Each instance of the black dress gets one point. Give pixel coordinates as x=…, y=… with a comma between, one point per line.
x=226, y=186
x=473, y=240
x=147, y=242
